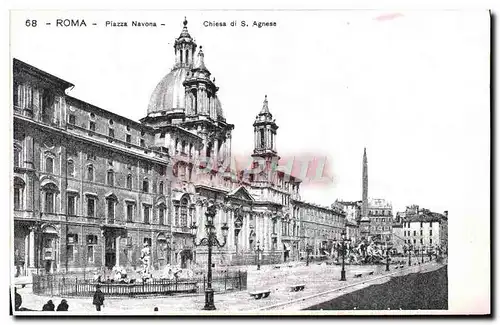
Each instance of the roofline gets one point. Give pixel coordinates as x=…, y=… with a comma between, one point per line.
x=18, y=64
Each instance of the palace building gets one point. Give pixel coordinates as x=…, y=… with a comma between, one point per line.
x=91, y=187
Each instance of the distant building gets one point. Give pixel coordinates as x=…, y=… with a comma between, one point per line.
x=423, y=229
x=381, y=218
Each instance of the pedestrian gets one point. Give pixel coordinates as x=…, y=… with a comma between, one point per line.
x=18, y=299
x=98, y=298
x=49, y=306
x=63, y=306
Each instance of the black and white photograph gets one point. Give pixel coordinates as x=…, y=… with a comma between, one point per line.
x=249, y=162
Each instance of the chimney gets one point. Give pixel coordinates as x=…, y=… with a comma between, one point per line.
x=446, y=214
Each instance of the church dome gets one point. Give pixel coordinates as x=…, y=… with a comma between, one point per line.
x=169, y=93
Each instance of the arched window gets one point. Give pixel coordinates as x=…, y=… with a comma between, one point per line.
x=161, y=214
x=129, y=181
x=145, y=185
x=49, y=165
x=90, y=173
x=184, y=204
x=111, y=178
x=18, y=193
x=71, y=167
x=160, y=188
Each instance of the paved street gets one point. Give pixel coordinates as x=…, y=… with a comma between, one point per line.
x=411, y=292
x=317, y=278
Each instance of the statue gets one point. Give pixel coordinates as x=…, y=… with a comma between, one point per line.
x=146, y=259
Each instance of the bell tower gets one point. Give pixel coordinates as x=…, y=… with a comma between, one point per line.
x=265, y=128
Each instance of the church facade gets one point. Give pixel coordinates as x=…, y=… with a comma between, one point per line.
x=92, y=188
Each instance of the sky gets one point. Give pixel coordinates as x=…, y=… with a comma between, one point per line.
x=412, y=87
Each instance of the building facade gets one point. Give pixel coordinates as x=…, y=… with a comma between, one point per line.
x=423, y=229
x=92, y=188
x=381, y=219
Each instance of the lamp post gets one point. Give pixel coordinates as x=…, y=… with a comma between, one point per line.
x=423, y=247
x=258, y=250
x=386, y=257
x=209, y=241
x=409, y=255
x=308, y=251
x=343, y=248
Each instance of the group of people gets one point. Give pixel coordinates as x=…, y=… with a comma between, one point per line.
x=49, y=306
x=98, y=301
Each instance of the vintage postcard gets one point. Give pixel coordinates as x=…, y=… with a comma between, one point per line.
x=267, y=162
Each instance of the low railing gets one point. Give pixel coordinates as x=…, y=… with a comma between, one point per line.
x=51, y=285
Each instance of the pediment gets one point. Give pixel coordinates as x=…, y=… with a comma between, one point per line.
x=241, y=193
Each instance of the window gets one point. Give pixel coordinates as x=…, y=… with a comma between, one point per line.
x=71, y=241
x=160, y=188
x=49, y=202
x=161, y=215
x=421, y=241
x=90, y=254
x=111, y=133
x=414, y=241
x=421, y=224
x=421, y=232
x=162, y=170
x=92, y=126
x=70, y=168
x=130, y=212
x=262, y=141
x=414, y=232
x=71, y=205
x=90, y=206
x=72, y=119
x=143, y=143
x=129, y=181
x=49, y=165
x=183, y=220
x=17, y=157
x=145, y=186
x=111, y=210
x=111, y=178
x=430, y=232
x=18, y=194
x=430, y=241
x=128, y=138
x=146, y=213
x=90, y=173
x=183, y=146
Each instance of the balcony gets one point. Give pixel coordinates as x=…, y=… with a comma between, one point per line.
x=181, y=229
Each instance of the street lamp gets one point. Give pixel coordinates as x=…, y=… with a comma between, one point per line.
x=209, y=241
x=308, y=251
x=386, y=257
x=409, y=255
x=343, y=248
x=258, y=250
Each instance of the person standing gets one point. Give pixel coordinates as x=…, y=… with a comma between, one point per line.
x=98, y=298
